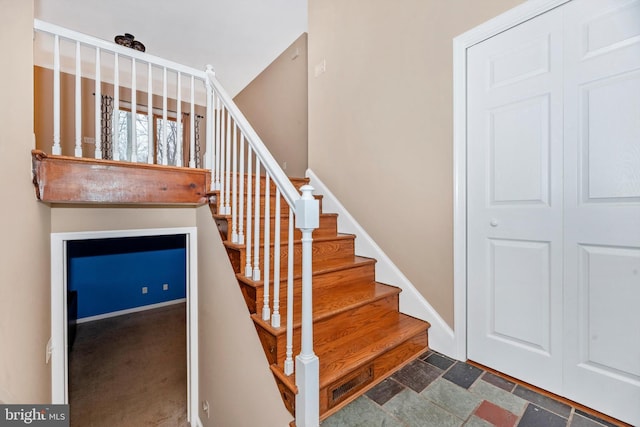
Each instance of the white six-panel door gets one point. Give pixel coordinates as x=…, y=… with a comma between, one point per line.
x=553, y=146
x=515, y=201
x=602, y=205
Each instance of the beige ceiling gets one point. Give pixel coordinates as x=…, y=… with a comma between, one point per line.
x=238, y=37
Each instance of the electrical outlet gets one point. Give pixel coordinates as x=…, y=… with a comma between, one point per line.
x=165, y=287
x=145, y=289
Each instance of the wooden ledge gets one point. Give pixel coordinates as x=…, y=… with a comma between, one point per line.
x=64, y=179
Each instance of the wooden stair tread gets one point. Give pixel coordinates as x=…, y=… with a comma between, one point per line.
x=329, y=301
x=359, y=348
x=323, y=267
x=297, y=183
x=356, y=349
x=338, y=236
x=283, y=215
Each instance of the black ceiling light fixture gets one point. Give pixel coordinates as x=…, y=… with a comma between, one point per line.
x=127, y=40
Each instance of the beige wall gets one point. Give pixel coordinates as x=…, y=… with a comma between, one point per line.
x=234, y=374
x=24, y=247
x=275, y=103
x=380, y=124
x=93, y=218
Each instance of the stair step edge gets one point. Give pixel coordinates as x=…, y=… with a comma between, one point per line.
x=357, y=262
x=327, y=380
x=338, y=236
x=284, y=215
x=389, y=291
x=335, y=375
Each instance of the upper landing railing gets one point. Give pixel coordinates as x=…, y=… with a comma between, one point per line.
x=146, y=109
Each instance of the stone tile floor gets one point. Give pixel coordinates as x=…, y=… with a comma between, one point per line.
x=437, y=391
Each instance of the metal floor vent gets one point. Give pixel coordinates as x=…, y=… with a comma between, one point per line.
x=354, y=382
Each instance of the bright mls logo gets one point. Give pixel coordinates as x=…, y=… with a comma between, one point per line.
x=34, y=415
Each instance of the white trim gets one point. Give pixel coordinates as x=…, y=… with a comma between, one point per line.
x=509, y=19
x=129, y=311
x=59, y=356
x=104, y=45
x=412, y=302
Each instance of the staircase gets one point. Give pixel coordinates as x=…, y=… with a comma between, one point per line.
x=360, y=336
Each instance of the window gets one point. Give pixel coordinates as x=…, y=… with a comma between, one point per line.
x=124, y=143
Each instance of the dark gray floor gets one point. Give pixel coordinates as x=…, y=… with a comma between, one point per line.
x=440, y=392
x=130, y=370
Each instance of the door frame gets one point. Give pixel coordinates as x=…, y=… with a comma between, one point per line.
x=58, y=347
x=516, y=16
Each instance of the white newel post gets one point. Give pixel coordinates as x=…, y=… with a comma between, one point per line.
x=307, y=363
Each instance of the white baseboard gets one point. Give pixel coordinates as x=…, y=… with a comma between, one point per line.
x=130, y=310
x=441, y=336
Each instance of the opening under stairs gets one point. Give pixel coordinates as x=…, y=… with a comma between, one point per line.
x=360, y=336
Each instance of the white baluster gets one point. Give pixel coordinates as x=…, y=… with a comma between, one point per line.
x=227, y=207
x=241, y=193
x=256, y=226
x=234, y=189
x=248, y=270
x=179, y=122
x=165, y=126
x=209, y=158
x=56, y=149
x=192, y=130
x=307, y=363
x=116, y=108
x=228, y=164
x=151, y=141
x=218, y=159
x=222, y=129
x=275, y=319
x=98, y=109
x=78, y=150
x=288, y=362
x=266, y=264
x=134, y=113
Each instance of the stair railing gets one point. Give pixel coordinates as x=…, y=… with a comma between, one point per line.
x=236, y=145
x=107, y=63
x=239, y=163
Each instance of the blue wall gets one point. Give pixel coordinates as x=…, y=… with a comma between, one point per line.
x=108, y=274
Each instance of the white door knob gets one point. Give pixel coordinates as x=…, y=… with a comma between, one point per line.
x=494, y=223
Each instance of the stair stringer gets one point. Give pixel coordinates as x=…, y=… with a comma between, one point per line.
x=441, y=337
x=233, y=369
